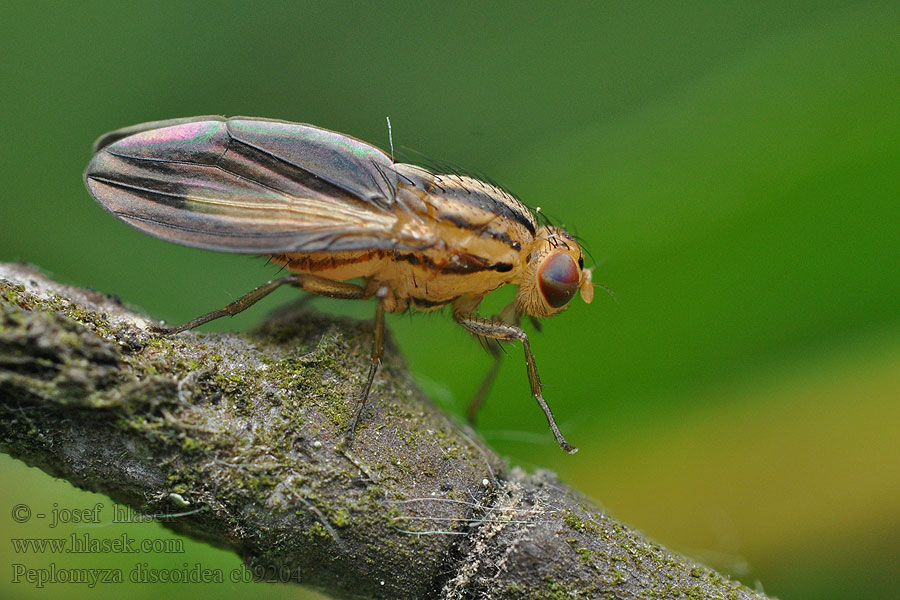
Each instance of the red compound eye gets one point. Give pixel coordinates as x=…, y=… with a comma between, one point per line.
x=558, y=279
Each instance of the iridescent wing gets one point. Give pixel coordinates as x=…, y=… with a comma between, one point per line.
x=249, y=185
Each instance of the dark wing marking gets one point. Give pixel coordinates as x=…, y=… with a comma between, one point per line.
x=249, y=186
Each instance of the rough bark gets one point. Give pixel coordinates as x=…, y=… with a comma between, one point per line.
x=248, y=429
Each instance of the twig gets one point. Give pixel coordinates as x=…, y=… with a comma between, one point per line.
x=249, y=428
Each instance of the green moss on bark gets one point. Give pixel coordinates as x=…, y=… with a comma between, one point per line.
x=248, y=430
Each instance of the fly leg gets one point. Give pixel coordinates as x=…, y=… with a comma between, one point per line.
x=506, y=332
x=315, y=285
x=486, y=383
x=507, y=315
x=310, y=283
x=377, y=351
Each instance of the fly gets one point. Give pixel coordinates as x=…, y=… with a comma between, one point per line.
x=333, y=209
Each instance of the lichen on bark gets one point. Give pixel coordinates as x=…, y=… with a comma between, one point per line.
x=248, y=431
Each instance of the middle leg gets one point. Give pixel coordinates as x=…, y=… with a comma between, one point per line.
x=377, y=353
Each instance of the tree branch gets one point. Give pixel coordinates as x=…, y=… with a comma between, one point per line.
x=248, y=429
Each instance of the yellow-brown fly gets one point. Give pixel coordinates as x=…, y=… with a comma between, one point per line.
x=332, y=209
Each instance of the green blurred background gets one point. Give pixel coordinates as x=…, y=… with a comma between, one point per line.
x=733, y=167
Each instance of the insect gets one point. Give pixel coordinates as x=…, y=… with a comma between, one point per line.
x=333, y=209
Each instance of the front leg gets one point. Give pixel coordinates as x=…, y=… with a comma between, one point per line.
x=506, y=332
x=508, y=315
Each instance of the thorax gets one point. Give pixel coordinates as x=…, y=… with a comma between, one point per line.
x=454, y=236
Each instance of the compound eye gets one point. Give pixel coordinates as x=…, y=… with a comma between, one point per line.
x=558, y=279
